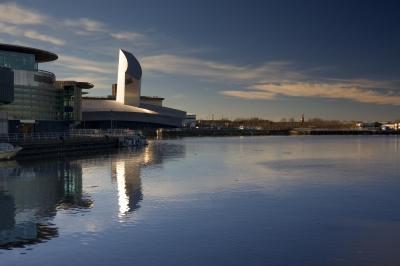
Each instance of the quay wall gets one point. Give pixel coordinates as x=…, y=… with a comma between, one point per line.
x=219, y=132
x=201, y=132
x=45, y=147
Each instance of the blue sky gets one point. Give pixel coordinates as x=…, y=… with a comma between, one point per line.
x=270, y=59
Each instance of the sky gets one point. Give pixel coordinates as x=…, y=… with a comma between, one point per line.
x=232, y=59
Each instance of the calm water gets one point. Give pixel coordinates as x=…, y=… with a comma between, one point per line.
x=329, y=200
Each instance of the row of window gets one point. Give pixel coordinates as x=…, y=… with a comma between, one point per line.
x=18, y=61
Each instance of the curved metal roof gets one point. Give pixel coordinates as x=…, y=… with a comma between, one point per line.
x=41, y=56
x=91, y=105
x=134, y=68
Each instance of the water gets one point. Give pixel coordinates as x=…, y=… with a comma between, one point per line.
x=323, y=200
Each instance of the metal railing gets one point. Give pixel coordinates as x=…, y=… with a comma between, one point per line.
x=46, y=73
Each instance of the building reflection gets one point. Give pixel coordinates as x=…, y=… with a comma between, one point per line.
x=126, y=172
x=31, y=193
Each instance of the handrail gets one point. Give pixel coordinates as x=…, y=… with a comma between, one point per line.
x=46, y=73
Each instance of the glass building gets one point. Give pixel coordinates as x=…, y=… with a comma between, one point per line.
x=71, y=94
x=31, y=99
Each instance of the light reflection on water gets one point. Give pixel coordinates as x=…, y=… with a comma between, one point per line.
x=255, y=200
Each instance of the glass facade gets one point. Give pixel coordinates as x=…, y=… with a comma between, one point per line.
x=35, y=97
x=71, y=92
x=39, y=102
x=69, y=104
x=18, y=61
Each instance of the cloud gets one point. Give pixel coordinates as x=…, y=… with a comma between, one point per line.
x=131, y=36
x=11, y=13
x=13, y=17
x=268, y=81
x=86, y=65
x=85, y=24
x=30, y=34
x=178, y=65
x=344, y=91
x=42, y=37
x=250, y=95
x=272, y=80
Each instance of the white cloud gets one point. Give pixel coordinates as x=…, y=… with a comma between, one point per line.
x=85, y=24
x=11, y=13
x=130, y=36
x=30, y=34
x=178, y=65
x=42, y=37
x=86, y=65
x=250, y=95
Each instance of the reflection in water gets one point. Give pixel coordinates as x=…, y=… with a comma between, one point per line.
x=31, y=193
x=123, y=198
x=126, y=171
x=326, y=200
x=129, y=186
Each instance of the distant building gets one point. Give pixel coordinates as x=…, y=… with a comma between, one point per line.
x=369, y=125
x=189, y=121
x=391, y=126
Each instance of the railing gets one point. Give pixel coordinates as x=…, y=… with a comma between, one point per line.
x=47, y=73
x=76, y=133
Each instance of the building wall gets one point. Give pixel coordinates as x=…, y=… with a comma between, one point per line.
x=107, y=119
x=3, y=123
x=6, y=85
x=35, y=97
x=71, y=98
x=132, y=90
x=151, y=100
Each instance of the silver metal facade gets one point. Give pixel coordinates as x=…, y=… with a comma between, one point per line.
x=129, y=79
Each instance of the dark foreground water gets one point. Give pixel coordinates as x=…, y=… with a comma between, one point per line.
x=208, y=201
